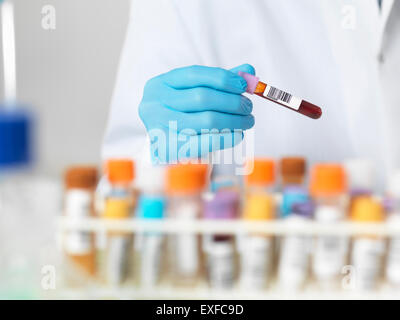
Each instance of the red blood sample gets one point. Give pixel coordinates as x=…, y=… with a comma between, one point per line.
x=306, y=108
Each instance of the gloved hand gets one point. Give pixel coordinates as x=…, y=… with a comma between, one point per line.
x=194, y=110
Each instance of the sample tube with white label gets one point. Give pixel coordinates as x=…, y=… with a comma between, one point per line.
x=223, y=177
x=368, y=250
x=294, y=262
x=185, y=185
x=151, y=208
x=328, y=189
x=393, y=219
x=119, y=205
x=79, y=246
x=280, y=97
x=393, y=252
x=257, y=250
x=361, y=178
x=219, y=248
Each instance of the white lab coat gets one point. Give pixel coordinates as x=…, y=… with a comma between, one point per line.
x=343, y=55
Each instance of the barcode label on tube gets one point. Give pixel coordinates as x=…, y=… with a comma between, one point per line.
x=276, y=94
x=282, y=97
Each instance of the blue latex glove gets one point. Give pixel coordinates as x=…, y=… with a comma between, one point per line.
x=194, y=110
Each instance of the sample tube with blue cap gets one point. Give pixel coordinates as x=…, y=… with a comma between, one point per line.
x=151, y=208
x=291, y=196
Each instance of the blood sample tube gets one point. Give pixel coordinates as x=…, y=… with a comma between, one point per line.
x=254, y=86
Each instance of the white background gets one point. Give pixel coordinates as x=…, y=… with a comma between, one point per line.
x=67, y=75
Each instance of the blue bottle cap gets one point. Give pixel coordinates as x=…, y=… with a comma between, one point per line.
x=151, y=207
x=15, y=138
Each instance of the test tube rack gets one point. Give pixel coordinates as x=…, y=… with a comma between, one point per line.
x=273, y=228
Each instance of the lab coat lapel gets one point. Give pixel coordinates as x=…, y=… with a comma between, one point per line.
x=386, y=9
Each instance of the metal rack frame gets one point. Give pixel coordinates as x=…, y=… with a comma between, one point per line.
x=276, y=227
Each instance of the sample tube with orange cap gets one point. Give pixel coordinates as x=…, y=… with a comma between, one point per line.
x=256, y=250
x=367, y=251
x=119, y=205
x=80, y=183
x=185, y=184
x=328, y=188
x=262, y=176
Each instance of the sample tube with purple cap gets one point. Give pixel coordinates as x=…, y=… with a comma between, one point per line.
x=294, y=262
x=219, y=248
x=266, y=91
x=392, y=207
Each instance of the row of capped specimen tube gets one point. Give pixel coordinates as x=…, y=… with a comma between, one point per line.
x=184, y=185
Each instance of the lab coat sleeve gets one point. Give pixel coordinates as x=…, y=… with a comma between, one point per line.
x=156, y=41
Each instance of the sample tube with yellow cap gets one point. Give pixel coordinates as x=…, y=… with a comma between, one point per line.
x=185, y=185
x=80, y=183
x=361, y=178
x=256, y=250
x=119, y=205
x=368, y=251
x=328, y=188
